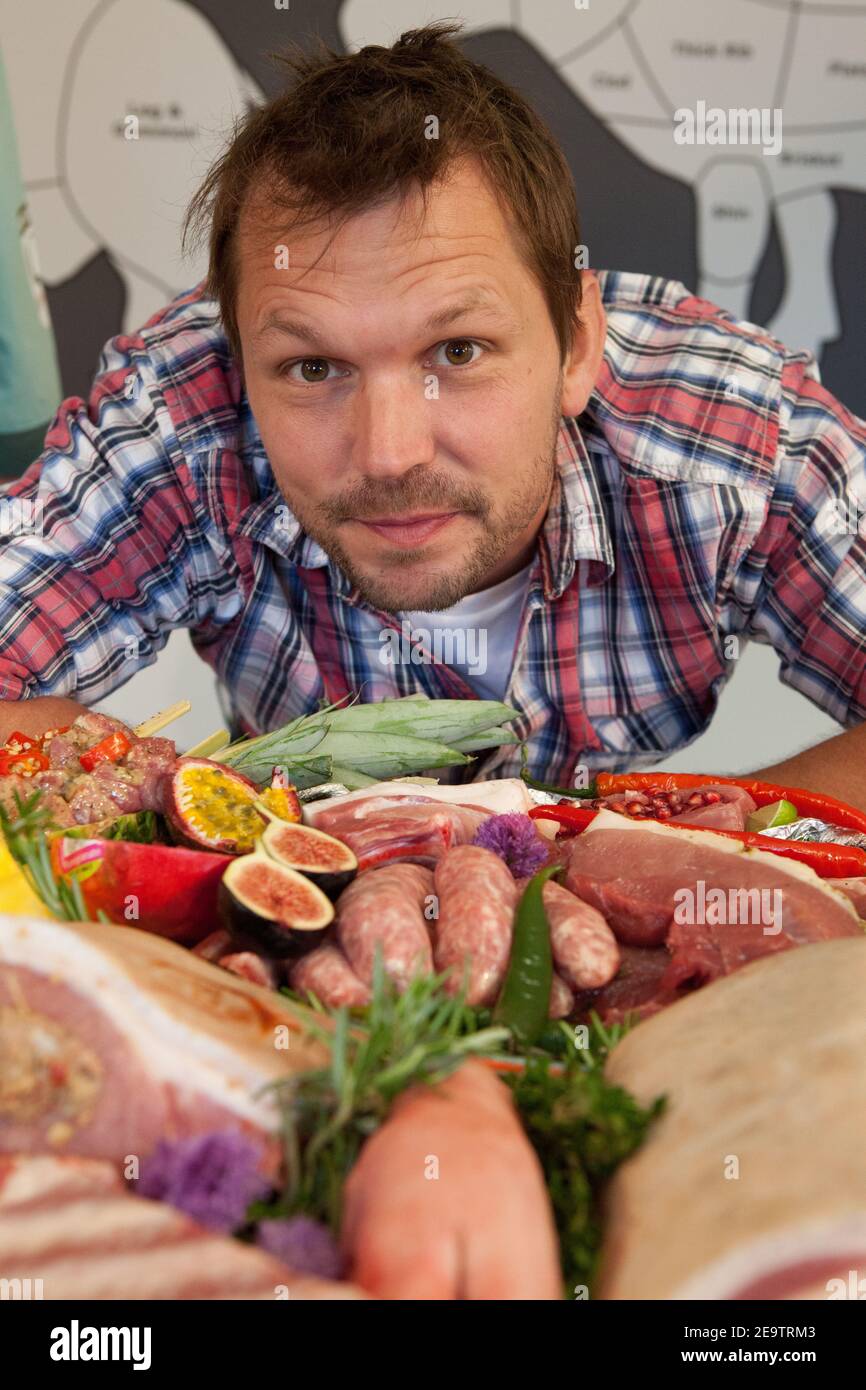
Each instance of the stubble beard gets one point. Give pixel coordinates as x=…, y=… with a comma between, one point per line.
x=401, y=584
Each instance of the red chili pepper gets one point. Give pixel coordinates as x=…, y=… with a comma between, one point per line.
x=828, y=860
x=568, y=814
x=109, y=750
x=817, y=804
x=23, y=764
x=18, y=742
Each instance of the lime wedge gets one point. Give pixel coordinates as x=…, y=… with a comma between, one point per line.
x=777, y=813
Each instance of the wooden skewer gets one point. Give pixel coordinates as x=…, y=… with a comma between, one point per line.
x=158, y=721
x=210, y=745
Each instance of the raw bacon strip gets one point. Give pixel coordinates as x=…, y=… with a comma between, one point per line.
x=385, y=909
x=378, y=830
x=72, y=1224
x=477, y=898
x=326, y=973
x=584, y=947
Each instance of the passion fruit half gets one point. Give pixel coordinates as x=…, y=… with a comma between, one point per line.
x=269, y=908
x=212, y=807
x=325, y=860
x=282, y=802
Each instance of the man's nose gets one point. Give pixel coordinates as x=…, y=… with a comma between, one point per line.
x=393, y=427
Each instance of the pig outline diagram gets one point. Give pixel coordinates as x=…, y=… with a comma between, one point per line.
x=737, y=189
x=87, y=185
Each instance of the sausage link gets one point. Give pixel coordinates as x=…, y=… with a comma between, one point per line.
x=385, y=907
x=585, y=950
x=326, y=973
x=561, y=998
x=477, y=897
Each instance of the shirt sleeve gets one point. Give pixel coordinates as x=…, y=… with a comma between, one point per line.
x=802, y=585
x=105, y=547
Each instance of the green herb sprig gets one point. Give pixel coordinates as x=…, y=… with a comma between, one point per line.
x=580, y=1125
x=419, y=1036
x=362, y=743
x=26, y=836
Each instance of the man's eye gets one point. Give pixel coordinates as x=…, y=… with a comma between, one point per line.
x=309, y=369
x=459, y=352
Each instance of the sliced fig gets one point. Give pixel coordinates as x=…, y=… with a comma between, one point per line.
x=212, y=807
x=273, y=909
x=322, y=858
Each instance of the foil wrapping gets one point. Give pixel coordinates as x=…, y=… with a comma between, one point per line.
x=810, y=828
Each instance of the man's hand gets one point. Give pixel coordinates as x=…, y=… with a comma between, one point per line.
x=448, y=1199
x=35, y=716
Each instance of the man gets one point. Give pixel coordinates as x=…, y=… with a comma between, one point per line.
x=400, y=404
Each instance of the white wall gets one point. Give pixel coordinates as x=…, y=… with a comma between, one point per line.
x=758, y=722
x=177, y=674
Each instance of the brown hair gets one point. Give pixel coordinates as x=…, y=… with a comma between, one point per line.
x=350, y=132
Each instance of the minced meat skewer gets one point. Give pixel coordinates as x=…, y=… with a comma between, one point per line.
x=73, y=796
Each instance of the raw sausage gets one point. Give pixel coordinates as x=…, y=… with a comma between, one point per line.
x=561, y=998
x=385, y=908
x=477, y=898
x=585, y=950
x=326, y=973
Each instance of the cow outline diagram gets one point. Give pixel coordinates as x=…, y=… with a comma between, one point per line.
x=633, y=72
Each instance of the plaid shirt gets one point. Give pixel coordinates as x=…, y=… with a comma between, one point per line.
x=703, y=498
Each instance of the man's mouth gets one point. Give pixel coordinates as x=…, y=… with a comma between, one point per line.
x=409, y=530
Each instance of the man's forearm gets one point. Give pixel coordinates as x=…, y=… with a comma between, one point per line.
x=837, y=766
x=35, y=716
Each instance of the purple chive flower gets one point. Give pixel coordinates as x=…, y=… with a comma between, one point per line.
x=303, y=1244
x=515, y=839
x=212, y=1177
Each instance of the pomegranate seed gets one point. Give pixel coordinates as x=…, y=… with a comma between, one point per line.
x=711, y=797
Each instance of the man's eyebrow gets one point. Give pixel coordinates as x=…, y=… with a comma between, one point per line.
x=476, y=303
x=279, y=322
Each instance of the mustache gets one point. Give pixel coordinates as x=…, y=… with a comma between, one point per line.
x=372, y=499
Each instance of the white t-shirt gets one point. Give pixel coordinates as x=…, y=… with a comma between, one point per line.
x=476, y=637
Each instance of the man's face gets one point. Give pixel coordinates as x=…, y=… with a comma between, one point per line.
x=405, y=377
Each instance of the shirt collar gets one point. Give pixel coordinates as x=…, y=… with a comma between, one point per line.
x=575, y=528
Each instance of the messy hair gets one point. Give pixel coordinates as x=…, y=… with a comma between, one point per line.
x=352, y=130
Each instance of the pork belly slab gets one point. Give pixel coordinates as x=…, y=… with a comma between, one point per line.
x=70, y=1228
x=111, y=1039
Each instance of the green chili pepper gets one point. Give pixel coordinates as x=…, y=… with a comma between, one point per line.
x=558, y=791
x=525, y=999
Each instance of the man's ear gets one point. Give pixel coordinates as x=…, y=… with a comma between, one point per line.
x=583, y=363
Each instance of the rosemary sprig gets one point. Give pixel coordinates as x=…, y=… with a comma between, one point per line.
x=26, y=836
x=419, y=1036
x=580, y=1125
